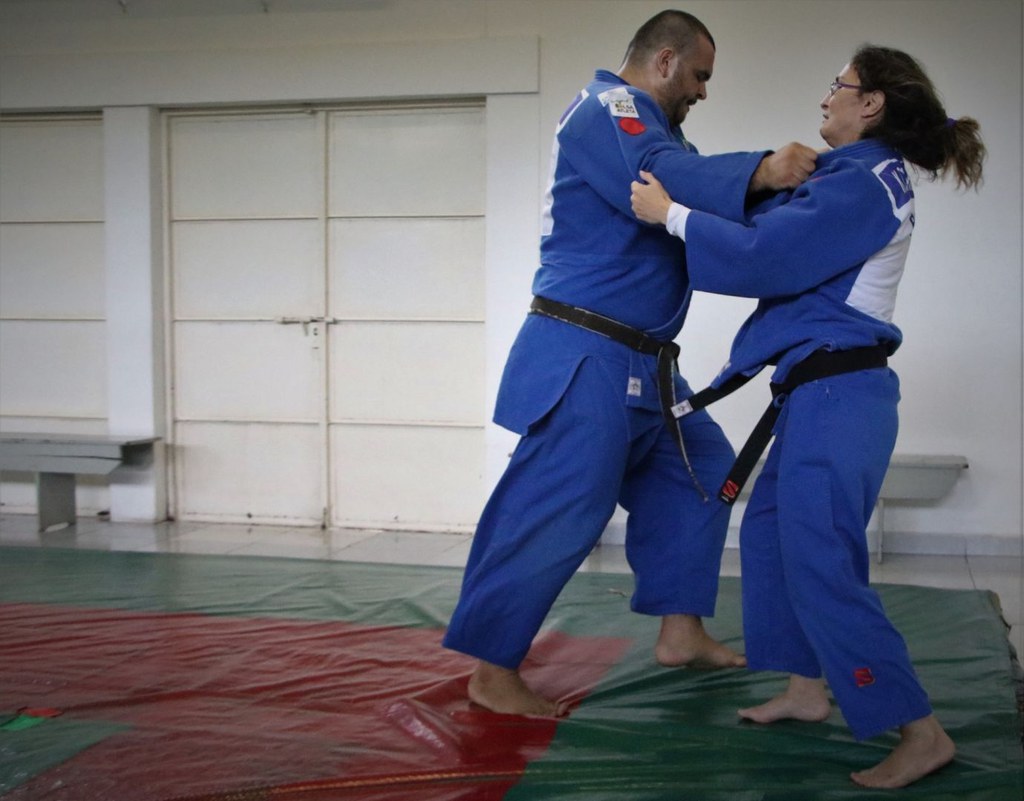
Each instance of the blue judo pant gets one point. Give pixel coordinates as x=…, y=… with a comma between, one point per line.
x=555, y=498
x=807, y=605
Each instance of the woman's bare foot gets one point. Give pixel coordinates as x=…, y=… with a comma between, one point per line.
x=683, y=641
x=924, y=748
x=503, y=690
x=804, y=699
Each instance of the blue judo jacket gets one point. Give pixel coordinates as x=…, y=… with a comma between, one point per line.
x=825, y=260
x=596, y=255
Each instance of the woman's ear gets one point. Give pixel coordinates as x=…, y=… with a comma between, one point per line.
x=872, y=104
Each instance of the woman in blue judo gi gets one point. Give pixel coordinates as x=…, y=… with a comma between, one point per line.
x=825, y=261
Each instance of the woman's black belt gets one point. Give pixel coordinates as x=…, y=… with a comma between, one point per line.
x=820, y=364
x=667, y=353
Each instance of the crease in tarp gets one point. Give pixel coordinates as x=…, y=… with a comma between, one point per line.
x=185, y=678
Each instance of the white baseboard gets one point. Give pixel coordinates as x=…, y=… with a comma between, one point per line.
x=895, y=542
x=950, y=544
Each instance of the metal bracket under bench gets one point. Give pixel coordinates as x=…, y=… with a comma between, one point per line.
x=57, y=458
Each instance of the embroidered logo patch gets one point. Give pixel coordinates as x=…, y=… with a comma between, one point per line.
x=619, y=102
x=623, y=107
x=682, y=409
x=633, y=388
x=863, y=677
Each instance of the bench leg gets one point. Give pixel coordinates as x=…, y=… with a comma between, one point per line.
x=55, y=496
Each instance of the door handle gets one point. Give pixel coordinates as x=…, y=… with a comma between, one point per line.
x=305, y=321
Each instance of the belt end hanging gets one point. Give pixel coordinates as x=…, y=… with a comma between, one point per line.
x=729, y=492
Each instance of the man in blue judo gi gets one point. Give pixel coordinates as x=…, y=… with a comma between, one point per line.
x=590, y=378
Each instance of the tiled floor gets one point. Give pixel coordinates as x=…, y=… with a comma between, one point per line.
x=1002, y=575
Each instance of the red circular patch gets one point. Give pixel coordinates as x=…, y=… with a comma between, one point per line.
x=632, y=126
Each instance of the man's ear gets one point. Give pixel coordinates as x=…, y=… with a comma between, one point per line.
x=664, y=60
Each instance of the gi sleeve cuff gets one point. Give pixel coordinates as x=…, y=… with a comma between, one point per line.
x=676, y=222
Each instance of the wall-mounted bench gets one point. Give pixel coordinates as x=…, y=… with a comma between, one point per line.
x=911, y=477
x=916, y=477
x=57, y=458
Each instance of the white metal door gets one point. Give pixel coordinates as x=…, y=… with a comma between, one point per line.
x=327, y=304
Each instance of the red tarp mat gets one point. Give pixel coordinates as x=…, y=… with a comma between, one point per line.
x=165, y=677
x=220, y=705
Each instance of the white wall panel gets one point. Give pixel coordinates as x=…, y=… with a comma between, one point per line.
x=407, y=163
x=407, y=372
x=51, y=170
x=247, y=268
x=52, y=270
x=53, y=369
x=53, y=362
x=170, y=71
x=375, y=468
x=407, y=268
x=236, y=167
x=245, y=371
x=248, y=471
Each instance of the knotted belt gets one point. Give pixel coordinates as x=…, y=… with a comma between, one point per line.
x=667, y=354
x=820, y=364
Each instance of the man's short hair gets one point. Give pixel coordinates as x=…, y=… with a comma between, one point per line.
x=670, y=28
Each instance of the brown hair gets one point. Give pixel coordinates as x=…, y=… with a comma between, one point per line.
x=914, y=121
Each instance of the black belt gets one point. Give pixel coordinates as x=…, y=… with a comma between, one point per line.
x=667, y=353
x=820, y=364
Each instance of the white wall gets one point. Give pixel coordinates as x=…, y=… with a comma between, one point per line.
x=961, y=300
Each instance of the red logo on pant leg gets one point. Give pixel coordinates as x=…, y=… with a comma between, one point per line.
x=863, y=677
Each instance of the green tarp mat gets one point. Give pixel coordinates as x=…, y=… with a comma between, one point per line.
x=163, y=677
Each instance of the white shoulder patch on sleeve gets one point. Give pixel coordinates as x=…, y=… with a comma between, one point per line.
x=619, y=102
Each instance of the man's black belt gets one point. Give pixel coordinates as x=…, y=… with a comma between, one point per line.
x=820, y=364
x=667, y=353
x=606, y=326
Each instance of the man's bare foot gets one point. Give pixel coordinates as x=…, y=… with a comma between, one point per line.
x=804, y=699
x=683, y=641
x=924, y=748
x=503, y=690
